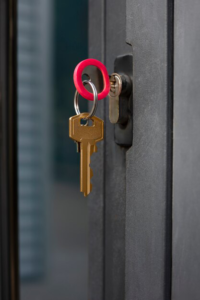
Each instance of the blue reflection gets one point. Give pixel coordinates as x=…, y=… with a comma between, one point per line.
x=52, y=39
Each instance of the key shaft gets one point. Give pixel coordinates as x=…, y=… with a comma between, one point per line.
x=87, y=148
x=87, y=137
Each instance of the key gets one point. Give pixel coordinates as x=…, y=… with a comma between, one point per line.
x=87, y=137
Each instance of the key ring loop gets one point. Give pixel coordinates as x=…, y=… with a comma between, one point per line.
x=95, y=102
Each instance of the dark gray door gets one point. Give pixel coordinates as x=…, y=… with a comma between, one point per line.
x=130, y=205
x=186, y=152
x=145, y=205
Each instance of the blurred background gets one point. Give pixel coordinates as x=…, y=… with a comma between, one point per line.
x=52, y=39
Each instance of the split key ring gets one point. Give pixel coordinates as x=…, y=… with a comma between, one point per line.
x=95, y=102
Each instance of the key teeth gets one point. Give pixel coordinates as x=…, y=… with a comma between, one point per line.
x=93, y=149
x=86, y=188
x=87, y=193
x=91, y=175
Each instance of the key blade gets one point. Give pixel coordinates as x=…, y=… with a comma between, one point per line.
x=84, y=164
x=86, y=137
x=87, y=148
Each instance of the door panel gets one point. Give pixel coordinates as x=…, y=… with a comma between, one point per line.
x=115, y=164
x=148, y=162
x=130, y=207
x=186, y=162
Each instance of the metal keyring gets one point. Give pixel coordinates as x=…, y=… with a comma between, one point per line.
x=95, y=102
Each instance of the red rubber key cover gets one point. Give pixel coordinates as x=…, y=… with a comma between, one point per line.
x=78, y=79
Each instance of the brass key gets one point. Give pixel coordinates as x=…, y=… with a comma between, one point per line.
x=87, y=136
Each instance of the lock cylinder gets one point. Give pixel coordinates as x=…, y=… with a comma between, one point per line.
x=120, y=85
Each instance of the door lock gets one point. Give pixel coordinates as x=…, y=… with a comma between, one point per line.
x=119, y=85
x=120, y=100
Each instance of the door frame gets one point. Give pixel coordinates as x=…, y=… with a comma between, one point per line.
x=9, y=283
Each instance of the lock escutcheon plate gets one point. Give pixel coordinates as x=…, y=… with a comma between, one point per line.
x=123, y=131
x=115, y=91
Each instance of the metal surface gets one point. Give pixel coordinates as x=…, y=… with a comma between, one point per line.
x=8, y=154
x=149, y=160
x=114, y=165
x=95, y=102
x=186, y=148
x=134, y=220
x=87, y=137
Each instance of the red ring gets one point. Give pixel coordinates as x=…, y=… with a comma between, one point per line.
x=78, y=79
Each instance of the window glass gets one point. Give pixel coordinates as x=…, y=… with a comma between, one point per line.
x=53, y=254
